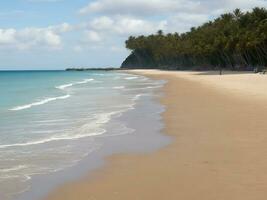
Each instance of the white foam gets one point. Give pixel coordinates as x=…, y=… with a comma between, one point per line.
x=52, y=120
x=62, y=87
x=54, y=138
x=83, y=131
x=84, y=81
x=44, y=101
x=145, y=88
x=49, y=131
x=12, y=169
x=138, y=96
x=99, y=74
x=131, y=78
x=38, y=103
x=119, y=87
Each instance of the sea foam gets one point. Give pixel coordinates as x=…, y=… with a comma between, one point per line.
x=131, y=78
x=47, y=100
x=81, y=132
x=119, y=87
x=64, y=86
x=54, y=138
x=38, y=103
x=12, y=169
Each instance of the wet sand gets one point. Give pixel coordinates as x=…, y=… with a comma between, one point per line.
x=219, y=148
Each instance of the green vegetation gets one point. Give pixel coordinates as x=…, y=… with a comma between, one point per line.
x=235, y=41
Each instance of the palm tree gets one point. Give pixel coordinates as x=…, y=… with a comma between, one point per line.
x=234, y=40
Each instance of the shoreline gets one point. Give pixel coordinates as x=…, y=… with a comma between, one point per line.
x=218, y=150
x=110, y=143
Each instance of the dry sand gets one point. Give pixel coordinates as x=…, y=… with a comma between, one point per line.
x=219, y=150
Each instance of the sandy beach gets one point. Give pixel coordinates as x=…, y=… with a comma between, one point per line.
x=219, y=148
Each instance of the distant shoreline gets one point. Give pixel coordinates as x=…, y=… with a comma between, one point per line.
x=94, y=69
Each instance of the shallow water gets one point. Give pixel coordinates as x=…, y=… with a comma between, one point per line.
x=51, y=120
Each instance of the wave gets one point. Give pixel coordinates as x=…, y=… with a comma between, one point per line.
x=83, y=131
x=62, y=87
x=49, y=121
x=131, y=78
x=119, y=87
x=38, y=103
x=138, y=96
x=144, y=88
x=46, y=140
x=99, y=74
x=12, y=169
x=48, y=131
x=84, y=81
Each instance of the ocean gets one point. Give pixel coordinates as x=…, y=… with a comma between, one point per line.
x=50, y=120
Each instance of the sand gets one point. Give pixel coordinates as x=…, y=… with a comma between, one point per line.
x=219, y=148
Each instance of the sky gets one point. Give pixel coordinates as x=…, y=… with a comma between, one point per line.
x=56, y=34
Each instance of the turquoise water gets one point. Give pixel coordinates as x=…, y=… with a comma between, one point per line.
x=49, y=119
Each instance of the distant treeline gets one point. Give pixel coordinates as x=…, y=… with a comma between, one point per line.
x=235, y=41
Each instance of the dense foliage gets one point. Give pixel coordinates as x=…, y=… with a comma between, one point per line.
x=236, y=41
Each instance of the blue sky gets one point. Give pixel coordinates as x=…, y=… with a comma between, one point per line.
x=22, y=13
x=55, y=34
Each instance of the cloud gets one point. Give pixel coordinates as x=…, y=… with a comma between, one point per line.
x=183, y=22
x=7, y=36
x=110, y=22
x=92, y=36
x=35, y=37
x=110, y=32
x=32, y=37
x=102, y=23
x=166, y=7
x=125, y=26
x=137, y=7
x=62, y=28
x=215, y=8
x=114, y=19
x=133, y=26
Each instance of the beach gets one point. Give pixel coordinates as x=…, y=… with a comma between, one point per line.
x=68, y=122
x=218, y=151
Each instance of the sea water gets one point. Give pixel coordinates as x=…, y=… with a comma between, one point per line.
x=49, y=119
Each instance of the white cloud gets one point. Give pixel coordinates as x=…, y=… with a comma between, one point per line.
x=32, y=37
x=167, y=7
x=102, y=23
x=124, y=26
x=111, y=32
x=62, y=28
x=137, y=7
x=7, y=36
x=92, y=36
x=215, y=8
x=183, y=22
x=117, y=19
x=129, y=26
x=112, y=21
